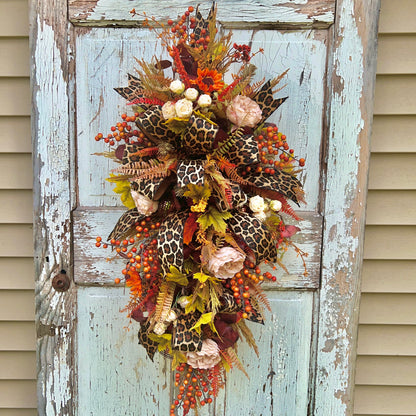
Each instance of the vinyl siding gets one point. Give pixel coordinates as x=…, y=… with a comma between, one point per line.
x=386, y=364
x=17, y=329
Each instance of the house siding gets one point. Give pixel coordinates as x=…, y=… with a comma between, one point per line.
x=386, y=364
x=17, y=329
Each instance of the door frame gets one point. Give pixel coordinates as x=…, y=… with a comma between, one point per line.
x=348, y=120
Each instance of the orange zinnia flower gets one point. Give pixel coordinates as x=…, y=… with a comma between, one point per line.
x=209, y=80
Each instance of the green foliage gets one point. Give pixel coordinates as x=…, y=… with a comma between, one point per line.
x=214, y=218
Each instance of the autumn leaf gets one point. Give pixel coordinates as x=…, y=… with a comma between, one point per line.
x=176, y=276
x=205, y=319
x=197, y=192
x=202, y=277
x=215, y=219
x=190, y=227
x=122, y=188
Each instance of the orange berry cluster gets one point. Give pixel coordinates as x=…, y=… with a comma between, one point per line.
x=273, y=144
x=122, y=131
x=141, y=257
x=194, y=388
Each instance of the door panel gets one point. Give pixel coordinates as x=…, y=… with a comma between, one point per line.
x=105, y=56
x=116, y=377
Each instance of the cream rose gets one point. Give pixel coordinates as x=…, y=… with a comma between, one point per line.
x=168, y=110
x=204, y=100
x=275, y=206
x=243, y=111
x=261, y=215
x=226, y=262
x=177, y=86
x=257, y=204
x=207, y=357
x=191, y=94
x=144, y=205
x=184, y=108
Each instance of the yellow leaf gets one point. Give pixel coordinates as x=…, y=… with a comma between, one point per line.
x=176, y=276
x=202, y=277
x=215, y=219
x=164, y=341
x=205, y=319
x=122, y=188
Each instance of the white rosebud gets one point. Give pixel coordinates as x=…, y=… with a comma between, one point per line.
x=191, y=94
x=204, y=100
x=184, y=108
x=183, y=301
x=171, y=316
x=261, y=215
x=159, y=328
x=177, y=86
x=275, y=206
x=168, y=110
x=257, y=204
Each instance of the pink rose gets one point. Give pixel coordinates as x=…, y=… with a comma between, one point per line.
x=243, y=111
x=207, y=357
x=226, y=262
x=144, y=205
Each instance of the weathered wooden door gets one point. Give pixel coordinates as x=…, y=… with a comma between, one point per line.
x=89, y=363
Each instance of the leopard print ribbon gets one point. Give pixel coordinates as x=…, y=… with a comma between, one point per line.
x=170, y=241
x=185, y=339
x=255, y=234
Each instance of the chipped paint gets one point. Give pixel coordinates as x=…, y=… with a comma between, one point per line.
x=54, y=310
x=342, y=250
x=294, y=14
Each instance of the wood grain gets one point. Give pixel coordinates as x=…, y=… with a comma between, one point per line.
x=350, y=110
x=55, y=311
x=271, y=13
x=92, y=267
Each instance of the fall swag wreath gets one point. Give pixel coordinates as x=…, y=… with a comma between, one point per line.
x=207, y=183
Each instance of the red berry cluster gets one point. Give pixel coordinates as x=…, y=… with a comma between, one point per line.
x=241, y=53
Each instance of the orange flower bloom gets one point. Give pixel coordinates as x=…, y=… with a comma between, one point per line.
x=209, y=80
x=134, y=282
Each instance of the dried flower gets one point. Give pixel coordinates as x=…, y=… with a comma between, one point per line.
x=243, y=111
x=226, y=262
x=184, y=108
x=177, y=86
x=204, y=100
x=191, y=94
x=261, y=215
x=144, y=205
x=168, y=110
x=207, y=357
